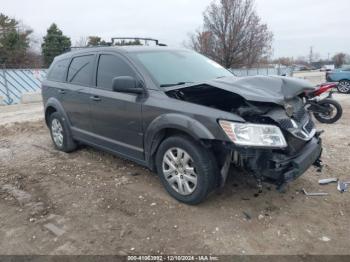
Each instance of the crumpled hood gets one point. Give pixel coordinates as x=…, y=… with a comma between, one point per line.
x=273, y=89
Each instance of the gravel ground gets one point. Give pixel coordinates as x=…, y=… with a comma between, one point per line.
x=90, y=202
x=20, y=113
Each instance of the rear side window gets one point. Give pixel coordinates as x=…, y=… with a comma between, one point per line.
x=109, y=67
x=58, y=71
x=80, y=70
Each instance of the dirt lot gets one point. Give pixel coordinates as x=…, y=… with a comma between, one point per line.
x=315, y=77
x=90, y=202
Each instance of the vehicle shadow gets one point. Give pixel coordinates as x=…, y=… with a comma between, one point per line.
x=240, y=189
x=241, y=192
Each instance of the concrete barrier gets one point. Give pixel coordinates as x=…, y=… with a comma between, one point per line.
x=28, y=98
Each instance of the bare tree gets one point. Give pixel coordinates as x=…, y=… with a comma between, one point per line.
x=82, y=42
x=233, y=34
x=286, y=61
x=339, y=59
x=94, y=40
x=202, y=42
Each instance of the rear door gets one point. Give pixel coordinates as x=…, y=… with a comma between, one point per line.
x=116, y=117
x=55, y=83
x=76, y=94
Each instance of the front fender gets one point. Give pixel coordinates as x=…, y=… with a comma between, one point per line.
x=179, y=122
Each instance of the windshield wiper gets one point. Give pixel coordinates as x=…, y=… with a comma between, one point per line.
x=177, y=84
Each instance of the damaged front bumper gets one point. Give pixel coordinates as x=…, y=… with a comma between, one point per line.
x=275, y=166
x=286, y=169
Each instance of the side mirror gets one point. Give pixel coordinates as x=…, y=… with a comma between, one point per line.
x=126, y=84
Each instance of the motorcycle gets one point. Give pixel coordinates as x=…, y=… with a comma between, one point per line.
x=325, y=110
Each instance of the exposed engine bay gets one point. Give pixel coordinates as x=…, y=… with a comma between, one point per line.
x=292, y=119
x=281, y=108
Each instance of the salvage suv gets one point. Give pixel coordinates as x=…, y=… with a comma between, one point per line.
x=181, y=115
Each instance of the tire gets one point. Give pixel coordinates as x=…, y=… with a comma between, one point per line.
x=57, y=125
x=344, y=87
x=200, y=167
x=329, y=119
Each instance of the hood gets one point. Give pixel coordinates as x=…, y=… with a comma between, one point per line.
x=273, y=89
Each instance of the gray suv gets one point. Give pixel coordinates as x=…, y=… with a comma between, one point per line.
x=181, y=115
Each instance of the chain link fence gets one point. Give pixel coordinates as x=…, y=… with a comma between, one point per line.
x=264, y=71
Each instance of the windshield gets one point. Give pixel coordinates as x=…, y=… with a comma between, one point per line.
x=169, y=67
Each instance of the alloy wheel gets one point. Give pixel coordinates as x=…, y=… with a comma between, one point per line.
x=179, y=171
x=344, y=86
x=57, y=132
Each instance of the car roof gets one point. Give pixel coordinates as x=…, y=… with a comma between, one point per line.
x=119, y=49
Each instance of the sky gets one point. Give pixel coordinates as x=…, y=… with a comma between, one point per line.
x=296, y=24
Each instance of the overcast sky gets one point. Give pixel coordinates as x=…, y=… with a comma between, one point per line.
x=296, y=24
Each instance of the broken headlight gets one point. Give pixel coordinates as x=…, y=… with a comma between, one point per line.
x=254, y=134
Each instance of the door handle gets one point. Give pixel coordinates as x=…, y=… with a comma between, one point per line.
x=61, y=91
x=95, y=98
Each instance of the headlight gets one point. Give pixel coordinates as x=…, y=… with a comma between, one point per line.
x=254, y=134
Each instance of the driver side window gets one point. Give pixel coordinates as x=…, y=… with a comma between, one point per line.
x=109, y=67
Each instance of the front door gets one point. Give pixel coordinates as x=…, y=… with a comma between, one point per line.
x=116, y=117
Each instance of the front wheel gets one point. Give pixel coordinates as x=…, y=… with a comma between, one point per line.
x=333, y=112
x=187, y=170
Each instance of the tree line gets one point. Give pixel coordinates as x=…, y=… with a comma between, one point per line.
x=232, y=34
x=15, y=49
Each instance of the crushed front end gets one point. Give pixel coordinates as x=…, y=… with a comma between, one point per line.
x=277, y=162
x=277, y=141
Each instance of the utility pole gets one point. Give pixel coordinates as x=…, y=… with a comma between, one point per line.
x=311, y=55
x=9, y=99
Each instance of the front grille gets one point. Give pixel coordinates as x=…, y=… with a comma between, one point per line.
x=309, y=126
x=285, y=123
x=300, y=114
x=301, y=135
x=300, y=124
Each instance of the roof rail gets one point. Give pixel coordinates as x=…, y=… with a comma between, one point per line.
x=137, y=39
x=91, y=46
x=113, y=40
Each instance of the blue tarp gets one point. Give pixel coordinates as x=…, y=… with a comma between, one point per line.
x=15, y=82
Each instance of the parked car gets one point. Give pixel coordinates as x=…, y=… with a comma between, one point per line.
x=181, y=115
x=327, y=68
x=341, y=75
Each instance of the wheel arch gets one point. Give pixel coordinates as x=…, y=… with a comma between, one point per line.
x=48, y=112
x=53, y=105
